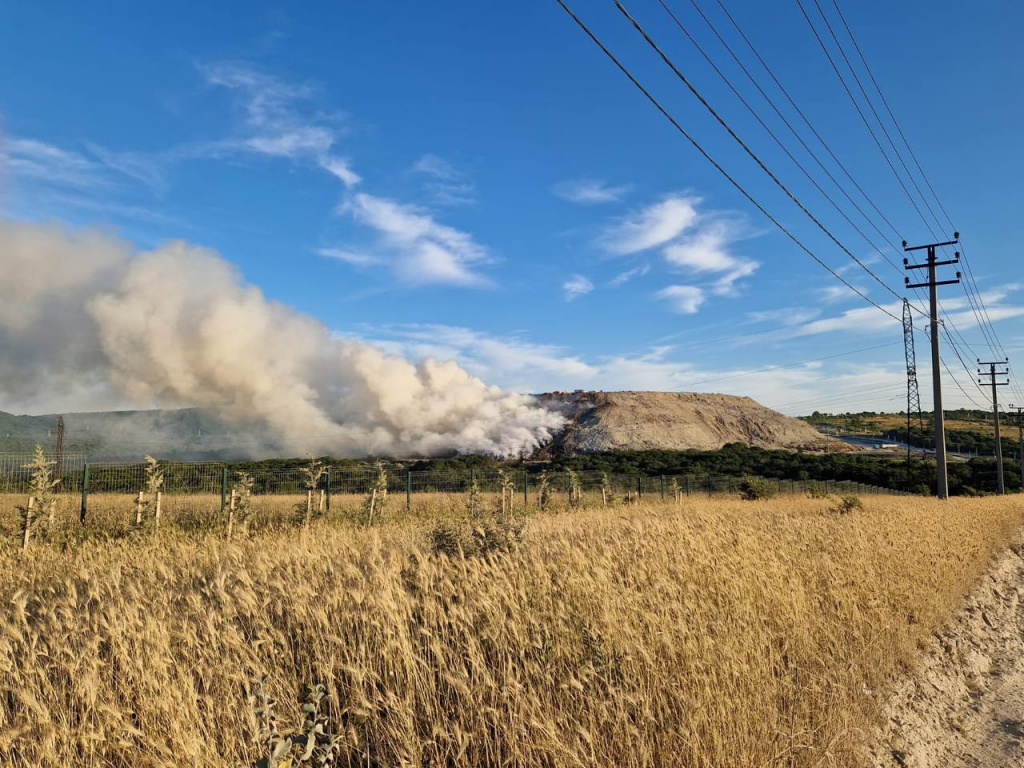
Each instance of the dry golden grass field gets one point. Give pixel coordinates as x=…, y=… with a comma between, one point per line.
x=713, y=633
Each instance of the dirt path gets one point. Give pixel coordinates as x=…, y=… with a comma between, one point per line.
x=964, y=707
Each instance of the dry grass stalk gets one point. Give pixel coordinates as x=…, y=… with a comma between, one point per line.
x=605, y=638
x=378, y=494
x=42, y=495
x=543, y=491
x=27, y=524
x=575, y=489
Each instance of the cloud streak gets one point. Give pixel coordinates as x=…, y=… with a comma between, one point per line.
x=577, y=286
x=422, y=250
x=590, y=191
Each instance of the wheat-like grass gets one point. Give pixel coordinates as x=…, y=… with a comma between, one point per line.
x=713, y=633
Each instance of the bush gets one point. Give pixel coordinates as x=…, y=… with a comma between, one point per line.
x=848, y=504
x=477, y=538
x=817, y=490
x=756, y=488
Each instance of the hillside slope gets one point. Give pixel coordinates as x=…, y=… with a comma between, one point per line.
x=603, y=421
x=598, y=421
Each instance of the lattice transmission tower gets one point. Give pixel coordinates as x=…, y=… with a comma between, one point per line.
x=913, y=393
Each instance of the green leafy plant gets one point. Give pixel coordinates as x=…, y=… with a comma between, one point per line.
x=41, y=496
x=476, y=504
x=310, y=745
x=675, y=490
x=848, y=504
x=508, y=492
x=543, y=490
x=755, y=488
x=817, y=489
x=476, y=538
x=312, y=473
x=240, y=505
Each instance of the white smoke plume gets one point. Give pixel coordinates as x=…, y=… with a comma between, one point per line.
x=85, y=318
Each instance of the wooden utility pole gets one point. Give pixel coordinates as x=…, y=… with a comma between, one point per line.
x=994, y=370
x=932, y=284
x=1020, y=429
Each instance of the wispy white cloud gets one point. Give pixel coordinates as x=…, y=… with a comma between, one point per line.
x=150, y=169
x=355, y=258
x=832, y=294
x=446, y=184
x=694, y=242
x=650, y=227
x=43, y=162
x=276, y=124
x=423, y=251
x=577, y=286
x=684, y=299
x=785, y=315
x=624, y=277
x=436, y=166
x=590, y=191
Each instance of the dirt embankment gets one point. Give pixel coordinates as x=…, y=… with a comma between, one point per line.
x=603, y=421
x=963, y=707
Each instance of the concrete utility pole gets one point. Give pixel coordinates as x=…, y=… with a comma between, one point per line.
x=991, y=373
x=932, y=284
x=1020, y=428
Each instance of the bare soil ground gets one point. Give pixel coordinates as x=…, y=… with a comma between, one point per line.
x=602, y=421
x=963, y=707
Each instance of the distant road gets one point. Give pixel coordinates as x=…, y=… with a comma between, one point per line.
x=868, y=443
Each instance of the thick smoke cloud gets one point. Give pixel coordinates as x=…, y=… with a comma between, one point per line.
x=84, y=317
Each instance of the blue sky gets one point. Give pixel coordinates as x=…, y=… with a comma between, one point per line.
x=476, y=181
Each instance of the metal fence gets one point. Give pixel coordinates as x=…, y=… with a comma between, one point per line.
x=216, y=479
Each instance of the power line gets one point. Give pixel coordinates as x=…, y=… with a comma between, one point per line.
x=871, y=106
x=749, y=151
x=704, y=153
x=891, y=115
x=782, y=146
x=919, y=309
x=803, y=117
x=971, y=289
x=863, y=117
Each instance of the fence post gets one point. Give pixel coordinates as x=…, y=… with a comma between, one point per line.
x=328, y=476
x=223, y=489
x=408, y=490
x=639, y=485
x=687, y=485
x=85, y=496
x=526, y=488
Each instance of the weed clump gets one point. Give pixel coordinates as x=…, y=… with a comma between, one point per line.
x=476, y=538
x=848, y=504
x=41, y=495
x=756, y=489
x=310, y=745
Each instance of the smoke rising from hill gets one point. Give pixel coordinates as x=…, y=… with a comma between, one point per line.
x=86, y=319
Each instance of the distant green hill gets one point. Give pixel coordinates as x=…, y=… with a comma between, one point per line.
x=186, y=434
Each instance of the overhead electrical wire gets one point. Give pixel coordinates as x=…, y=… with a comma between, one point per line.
x=746, y=148
x=788, y=153
x=707, y=156
x=970, y=284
